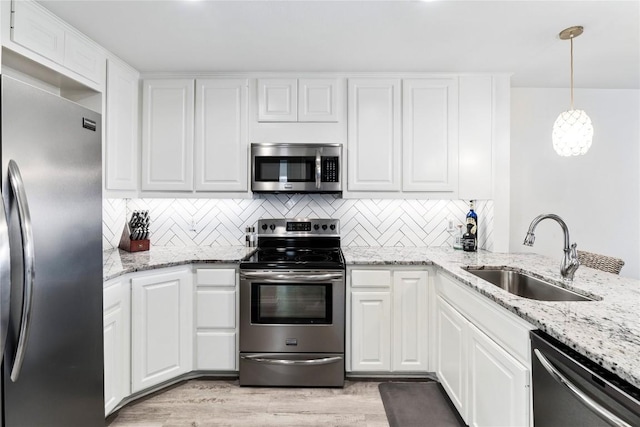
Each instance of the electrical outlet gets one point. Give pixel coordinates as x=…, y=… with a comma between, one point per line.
x=193, y=225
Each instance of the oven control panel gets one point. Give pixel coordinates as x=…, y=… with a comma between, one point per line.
x=299, y=227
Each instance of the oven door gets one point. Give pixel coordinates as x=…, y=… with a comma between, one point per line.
x=292, y=311
x=295, y=168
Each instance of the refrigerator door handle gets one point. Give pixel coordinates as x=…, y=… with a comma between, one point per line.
x=26, y=230
x=5, y=277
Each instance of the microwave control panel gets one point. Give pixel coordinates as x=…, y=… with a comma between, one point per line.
x=330, y=169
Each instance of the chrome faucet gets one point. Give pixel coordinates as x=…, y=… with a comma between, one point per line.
x=570, y=261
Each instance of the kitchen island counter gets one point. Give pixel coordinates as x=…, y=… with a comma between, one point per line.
x=606, y=330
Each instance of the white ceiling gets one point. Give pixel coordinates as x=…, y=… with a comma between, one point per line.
x=519, y=37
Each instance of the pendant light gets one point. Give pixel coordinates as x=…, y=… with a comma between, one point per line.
x=572, y=130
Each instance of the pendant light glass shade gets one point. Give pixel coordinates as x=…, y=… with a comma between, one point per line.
x=572, y=133
x=572, y=130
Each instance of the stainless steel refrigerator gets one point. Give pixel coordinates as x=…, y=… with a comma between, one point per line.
x=50, y=260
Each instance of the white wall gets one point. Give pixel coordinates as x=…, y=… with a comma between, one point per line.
x=598, y=194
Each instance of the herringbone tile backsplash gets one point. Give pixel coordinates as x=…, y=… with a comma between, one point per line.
x=363, y=222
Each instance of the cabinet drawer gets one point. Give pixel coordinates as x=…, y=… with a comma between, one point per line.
x=216, y=309
x=370, y=278
x=215, y=277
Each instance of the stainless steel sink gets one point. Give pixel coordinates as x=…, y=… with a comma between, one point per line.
x=525, y=286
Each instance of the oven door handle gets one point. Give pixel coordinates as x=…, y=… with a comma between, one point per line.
x=611, y=418
x=307, y=362
x=271, y=277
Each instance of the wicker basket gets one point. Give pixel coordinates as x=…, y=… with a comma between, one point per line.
x=600, y=262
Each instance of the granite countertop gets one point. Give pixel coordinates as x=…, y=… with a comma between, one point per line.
x=118, y=262
x=606, y=330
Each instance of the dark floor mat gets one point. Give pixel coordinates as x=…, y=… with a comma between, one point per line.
x=418, y=404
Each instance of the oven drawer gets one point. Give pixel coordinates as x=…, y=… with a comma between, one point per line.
x=287, y=369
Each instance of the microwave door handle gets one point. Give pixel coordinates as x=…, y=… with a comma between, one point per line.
x=318, y=168
x=26, y=230
x=577, y=393
x=5, y=277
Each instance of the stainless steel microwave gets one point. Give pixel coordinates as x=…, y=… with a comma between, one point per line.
x=296, y=168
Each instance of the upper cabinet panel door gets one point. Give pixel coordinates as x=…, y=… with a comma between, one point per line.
x=221, y=135
x=277, y=100
x=476, y=137
x=122, y=128
x=374, y=135
x=167, y=134
x=83, y=57
x=430, y=137
x=317, y=100
x=37, y=30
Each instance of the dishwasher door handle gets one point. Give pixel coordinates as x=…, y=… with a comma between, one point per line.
x=610, y=417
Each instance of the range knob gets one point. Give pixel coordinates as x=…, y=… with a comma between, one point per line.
x=332, y=226
x=324, y=226
x=272, y=227
x=264, y=226
x=316, y=226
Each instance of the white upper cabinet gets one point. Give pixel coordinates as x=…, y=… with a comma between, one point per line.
x=39, y=31
x=221, y=147
x=430, y=135
x=167, y=134
x=121, y=118
x=298, y=100
x=277, y=100
x=374, y=135
x=194, y=135
x=317, y=100
x=476, y=137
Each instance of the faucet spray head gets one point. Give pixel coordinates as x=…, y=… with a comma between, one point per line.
x=529, y=239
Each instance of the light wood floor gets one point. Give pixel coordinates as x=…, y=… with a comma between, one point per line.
x=204, y=403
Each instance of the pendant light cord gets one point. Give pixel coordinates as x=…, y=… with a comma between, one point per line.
x=571, y=39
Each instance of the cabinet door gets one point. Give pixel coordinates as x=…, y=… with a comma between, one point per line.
x=451, y=353
x=83, y=57
x=429, y=137
x=498, y=385
x=37, y=30
x=371, y=331
x=117, y=338
x=167, y=134
x=476, y=137
x=374, y=135
x=162, y=327
x=317, y=100
x=122, y=128
x=410, y=308
x=221, y=135
x=277, y=100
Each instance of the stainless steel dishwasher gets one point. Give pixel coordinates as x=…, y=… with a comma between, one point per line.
x=571, y=390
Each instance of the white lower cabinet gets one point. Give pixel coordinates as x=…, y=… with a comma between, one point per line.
x=498, y=384
x=162, y=327
x=117, y=341
x=216, y=319
x=387, y=320
x=481, y=358
x=451, y=353
x=371, y=331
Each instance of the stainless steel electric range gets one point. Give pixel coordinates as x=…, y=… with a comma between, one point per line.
x=292, y=305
